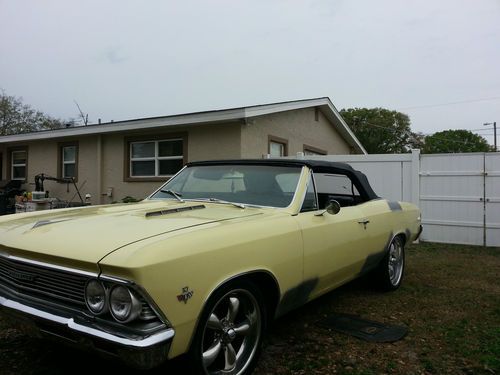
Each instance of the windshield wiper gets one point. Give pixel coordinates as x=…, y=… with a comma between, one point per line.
x=174, y=194
x=215, y=200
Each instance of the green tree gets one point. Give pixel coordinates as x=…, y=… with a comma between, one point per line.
x=16, y=117
x=382, y=131
x=455, y=141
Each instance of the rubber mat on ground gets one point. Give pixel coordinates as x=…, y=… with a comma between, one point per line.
x=364, y=329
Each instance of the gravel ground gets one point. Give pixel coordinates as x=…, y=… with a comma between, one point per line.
x=450, y=300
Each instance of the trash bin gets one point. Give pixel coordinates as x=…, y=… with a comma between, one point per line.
x=8, y=193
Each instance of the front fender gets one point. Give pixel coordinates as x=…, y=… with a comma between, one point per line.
x=195, y=261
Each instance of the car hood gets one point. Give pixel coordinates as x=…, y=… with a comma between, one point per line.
x=88, y=234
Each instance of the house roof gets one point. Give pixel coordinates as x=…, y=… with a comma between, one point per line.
x=197, y=118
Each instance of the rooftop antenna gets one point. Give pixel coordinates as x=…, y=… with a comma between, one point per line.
x=85, y=118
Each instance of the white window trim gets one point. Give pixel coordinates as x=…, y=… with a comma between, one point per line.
x=155, y=158
x=282, y=148
x=12, y=165
x=65, y=162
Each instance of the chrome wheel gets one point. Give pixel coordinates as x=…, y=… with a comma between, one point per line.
x=395, y=261
x=231, y=334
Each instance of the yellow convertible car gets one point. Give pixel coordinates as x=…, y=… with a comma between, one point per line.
x=203, y=264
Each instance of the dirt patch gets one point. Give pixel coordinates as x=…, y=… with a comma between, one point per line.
x=450, y=300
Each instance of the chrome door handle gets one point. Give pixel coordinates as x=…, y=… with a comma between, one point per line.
x=364, y=222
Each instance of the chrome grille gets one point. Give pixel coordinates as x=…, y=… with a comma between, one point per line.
x=38, y=281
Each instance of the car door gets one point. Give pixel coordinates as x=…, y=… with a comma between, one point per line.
x=379, y=228
x=335, y=246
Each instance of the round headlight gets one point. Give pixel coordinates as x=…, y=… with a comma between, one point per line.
x=95, y=297
x=124, y=304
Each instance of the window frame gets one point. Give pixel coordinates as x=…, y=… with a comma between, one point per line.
x=60, y=158
x=315, y=151
x=10, y=161
x=153, y=138
x=355, y=195
x=316, y=200
x=281, y=141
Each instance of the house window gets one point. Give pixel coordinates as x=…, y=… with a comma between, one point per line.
x=277, y=147
x=311, y=151
x=156, y=158
x=19, y=160
x=69, y=156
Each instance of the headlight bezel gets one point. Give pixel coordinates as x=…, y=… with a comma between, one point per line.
x=135, y=308
x=142, y=308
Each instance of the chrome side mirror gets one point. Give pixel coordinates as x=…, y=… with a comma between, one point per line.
x=333, y=208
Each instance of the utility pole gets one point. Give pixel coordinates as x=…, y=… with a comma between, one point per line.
x=494, y=133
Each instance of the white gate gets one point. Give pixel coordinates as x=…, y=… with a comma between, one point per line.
x=452, y=198
x=458, y=194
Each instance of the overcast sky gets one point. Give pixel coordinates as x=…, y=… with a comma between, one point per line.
x=128, y=59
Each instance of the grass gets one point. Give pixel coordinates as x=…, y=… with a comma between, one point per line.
x=450, y=300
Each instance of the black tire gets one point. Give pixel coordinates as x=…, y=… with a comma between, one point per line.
x=389, y=273
x=228, y=338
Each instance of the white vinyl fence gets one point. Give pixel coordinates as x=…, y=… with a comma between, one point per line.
x=458, y=194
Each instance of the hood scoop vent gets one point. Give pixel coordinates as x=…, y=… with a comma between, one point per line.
x=47, y=222
x=174, y=210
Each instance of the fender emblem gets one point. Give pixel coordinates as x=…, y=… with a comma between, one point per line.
x=186, y=295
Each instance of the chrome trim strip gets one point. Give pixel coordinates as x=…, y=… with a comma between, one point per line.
x=114, y=279
x=157, y=338
x=48, y=265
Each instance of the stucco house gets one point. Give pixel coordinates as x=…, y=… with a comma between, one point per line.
x=131, y=158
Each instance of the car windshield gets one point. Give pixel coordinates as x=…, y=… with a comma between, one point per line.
x=261, y=185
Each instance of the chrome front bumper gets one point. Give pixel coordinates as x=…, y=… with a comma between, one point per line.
x=141, y=352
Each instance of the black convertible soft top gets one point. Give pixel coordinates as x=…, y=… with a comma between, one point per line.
x=319, y=166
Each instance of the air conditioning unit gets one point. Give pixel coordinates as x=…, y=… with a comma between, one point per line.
x=37, y=196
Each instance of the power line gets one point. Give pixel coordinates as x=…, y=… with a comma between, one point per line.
x=449, y=103
x=480, y=129
x=439, y=138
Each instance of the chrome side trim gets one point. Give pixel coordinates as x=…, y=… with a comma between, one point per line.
x=48, y=265
x=157, y=338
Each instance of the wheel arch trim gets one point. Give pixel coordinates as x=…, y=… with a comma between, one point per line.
x=401, y=233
